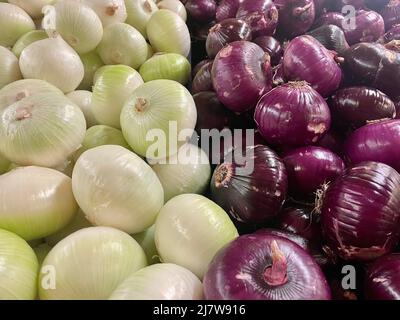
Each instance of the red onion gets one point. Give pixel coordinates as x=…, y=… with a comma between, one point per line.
x=391, y=14
x=375, y=142
x=376, y=4
x=227, y=9
x=306, y=59
x=271, y=46
x=202, y=80
x=382, y=279
x=241, y=74
x=278, y=76
x=368, y=27
x=225, y=32
x=332, y=141
x=292, y=115
x=331, y=37
x=339, y=4
x=198, y=66
x=361, y=212
x=261, y=191
x=201, y=10
x=334, y=18
x=264, y=267
x=392, y=34
x=295, y=16
x=321, y=6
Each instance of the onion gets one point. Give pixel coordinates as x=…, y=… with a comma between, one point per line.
x=360, y=212
x=109, y=183
x=123, y=44
x=331, y=18
x=4, y=164
x=241, y=74
x=158, y=118
x=382, y=280
x=167, y=32
x=392, y=34
x=340, y=4
x=368, y=27
x=83, y=99
x=391, y=14
x=321, y=6
x=18, y=268
x=291, y=115
x=139, y=14
x=146, y=241
x=164, y=281
x=261, y=189
x=48, y=203
x=27, y=39
x=331, y=37
x=14, y=23
x=54, y=61
x=170, y=66
x=90, y=264
x=227, y=9
x=198, y=66
x=207, y=224
x=42, y=129
x=91, y=63
x=175, y=6
x=332, y=141
x=375, y=142
x=264, y=267
x=203, y=79
x=109, y=11
x=295, y=16
x=308, y=60
x=271, y=46
x=397, y=109
x=9, y=68
x=32, y=7
x=201, y=10
x=356, y=106
x=111, y=90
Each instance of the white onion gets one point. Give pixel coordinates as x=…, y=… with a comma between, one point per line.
x=109, y=11
x=91, y=63
x=188, y=171
x=123, y=44
x=150, y=52
x=42, y=129
x=175, y=6
x=14, y=22
x=190, y=230
x=27, y=39
x=154, y=108
x=146, y=241
x=113, y=86
x=54, y=61
x=164, y=281
x=9, y=67
x=32, y=7
x=90, y=264
x=83, y=99
x=116, y=188
x=167, y=32
x=18, y=268
x=139, y=13
x=35, y=202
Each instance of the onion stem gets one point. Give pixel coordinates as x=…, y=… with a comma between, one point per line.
x=276, y=274
x=298, y=11
x=223, y=175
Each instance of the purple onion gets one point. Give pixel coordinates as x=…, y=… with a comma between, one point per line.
x=392, y=34
x=271, y=46
x=332, y=141
x=334, y=18
x=198, y=66
x=225, y=32
x=376, y=4
x=297, y=239
x=202, y=80
x=368, y=27
x=201, y=10
x=261, y=185
x=264, y=267
x=382, y=279
x=305, y=59
x=241, y=74
x=360, y=212
x=391, y=14
x=331, y=37
x=227, y=9
x=339, y=4
x=321, y=7
x=292, y=115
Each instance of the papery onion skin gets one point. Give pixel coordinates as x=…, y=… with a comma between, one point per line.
x=109, y=11
x=83, y=99
x=306, y=59
x=164, y=281
x=360, y=214
x=146, y=240
x=230, y=275
x=18, y=268
x=209, y=226
x=27, y=39
x=9, y=67
x=227, y=9
x=391, y=34
x=391, y=14
x=201, y=10
x=202, y=81
x=280, y=121
x=262, y=190
x=90, y=264
x=271, y=46
x=241, y=74
x=33, y=8
x=48, y=203
x=331, y=37
x=175, y=6
x=369, y=26
x=382, y=280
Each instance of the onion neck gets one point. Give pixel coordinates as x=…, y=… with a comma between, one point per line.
x=223, y=175
x=112, y=9
x=141, y=104
x=147, y=7
x=299, y=11
x=23, y=113
x=267, y=63
x=276, y=274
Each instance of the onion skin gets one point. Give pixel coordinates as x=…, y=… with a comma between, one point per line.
x=262, y=191
x=376, y=4
x=391, y=14
x=175, y=6
x=231, y=276
x=382, y=280
x=360, y=214
x=392, y=34
x=227, y=9
x=292, y=115
x=331, y=37
x=331, y=18
x=271, y=46
x=9, y=67
x=241, y=74
x=321, y=6
x=202, y=80
x=198, y=66
x=305, y=59
x=201, y=10
x=369, y=26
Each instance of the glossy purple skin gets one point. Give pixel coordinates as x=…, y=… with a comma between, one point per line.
x=198, y=66
x=308, y=168
x=292, y=115
x=231, y=276
x=392, y=34
x=332, y=141
x=295, y=16
x=271, y=46
x=227, y=9
x=225, y=32
x=331, y=37
x=202, y=80
x=261, y=191
x=360, y=215
x=375, y=142
x=327, y=18
x=382, y=279
x=201, y=10
x=376, y=4
x=241, y=74
x=305, y=59
x=297, y=239
x=369, y=27
x=391, y=14
x=357, y=106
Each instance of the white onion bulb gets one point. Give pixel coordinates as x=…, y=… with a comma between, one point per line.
x=90, y=264
x=109, y=11
x=139, y=13
x=146, y=241
x=54, y=61
x=35, y=202
x=164, y=281
x=32, y=7
x=175, y=6
x=190, y=230
x=9, y=67
x=91, y=63
x=116, y=188
x=27, y=39
x=18, y=268
x=42, y=129
x=83, y=99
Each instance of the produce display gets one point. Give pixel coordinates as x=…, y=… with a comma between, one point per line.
x=199, y=149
